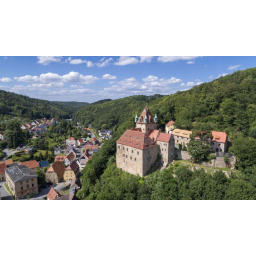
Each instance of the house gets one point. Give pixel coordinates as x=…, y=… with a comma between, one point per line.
x=82, y=162
x=55, y=173
x=28, y=125
x=80, y=142
x=94, y=141
x=2, y=137
x=28, y=150
x=169, y=127
x=21, y=148
x=71, y=171
x=181, y=137
x=21, y=180
x=2, y=171
x=95, y=150
x=70, y=149
x=32, y=164
x=71, y=142
x=53, y=194
x=70, y=196
x=70, y=158
x=219, y=141
x=24, y=127
x=34, y=123
x=91, y=147
x=60, y=158
x=44, y=164
x=57, y=151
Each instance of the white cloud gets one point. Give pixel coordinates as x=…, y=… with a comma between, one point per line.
x=211, y=77
x=104, y=62
x=190, y=84
x=197, y=80
x=72, y=77
x=147, y=59
x=233, y=67
x=175, y=58
x=46, y=60
x=79, y=61
x=76, y=86
x=108, y=76
x=126, y=60
x=4, y=87
x=5, y=79
x=221, y=75
x=190, y=62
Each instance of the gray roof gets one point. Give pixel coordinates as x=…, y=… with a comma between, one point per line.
x=58, y=149
x=20, y=173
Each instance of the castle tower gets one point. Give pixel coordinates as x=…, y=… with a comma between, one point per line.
x=146, y=121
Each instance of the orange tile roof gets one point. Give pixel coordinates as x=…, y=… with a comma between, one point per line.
x=93, y=139
x=60, y=158
x=58, y=168
x=181, y=133
x=219, y=136
x=30, y=164
x=80, y=140
x=52, y=194
x=71, y=156
x=71, y=138
x=164, y=137
x=170, y=123
x=2, y=167
x=91, y=147
x=7, y=162
x=136, y=139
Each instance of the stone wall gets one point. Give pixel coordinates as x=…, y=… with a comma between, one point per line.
x=182, y=155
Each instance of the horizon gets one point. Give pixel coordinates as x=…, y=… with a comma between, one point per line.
x=90, y=79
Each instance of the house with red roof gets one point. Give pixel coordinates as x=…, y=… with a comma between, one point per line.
x=80, y=142
x=219, y=141
x=138, y=148
x=169, y=127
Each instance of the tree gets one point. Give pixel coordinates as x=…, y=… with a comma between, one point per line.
x=199, y=145
x=14, y=134
x=41, y=176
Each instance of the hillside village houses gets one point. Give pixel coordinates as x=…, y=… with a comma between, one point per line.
x=170, y=126
x=2, y=136
x=70, y=158
x=55, y=173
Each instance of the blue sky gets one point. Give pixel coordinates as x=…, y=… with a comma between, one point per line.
x=88, y=79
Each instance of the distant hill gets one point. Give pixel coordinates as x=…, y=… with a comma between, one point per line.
x=73, y=104
x=101, y=101
x=227, y=104
x=12, y=104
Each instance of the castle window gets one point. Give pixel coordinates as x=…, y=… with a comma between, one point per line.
x=118, y=147
x=148, y=152
x=137, y=152
x=135, y=159
x=123, y=155
x=126, y=156
x=132, y=151
x=127, y=149
x=123, y=148
x=130, y=157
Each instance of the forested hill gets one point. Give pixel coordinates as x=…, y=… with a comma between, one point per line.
x=12, y=105
x=227, y=104
x=75, y=106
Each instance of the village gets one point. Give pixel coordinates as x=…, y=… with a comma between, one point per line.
x=57, y=178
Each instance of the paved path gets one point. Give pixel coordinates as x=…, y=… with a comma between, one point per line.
x=8, y=152
x=4, y=193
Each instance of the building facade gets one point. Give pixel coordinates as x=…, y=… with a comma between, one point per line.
x=169, y=127
x=138, y=149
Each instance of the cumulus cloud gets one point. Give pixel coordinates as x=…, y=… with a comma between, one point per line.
x=5, y=79
x=108, y=76
x=126, y=60
x=221, y=75
x=4, y=87
x=190, y=62
x=175, y=58
x=103, y=62
x=46, y=60
x=151, y=84
x=79, y=61
x=76, y=86
x=190, y=84
x=211, y=77
x=72, y=77
x=233, y=67
x=147, y=59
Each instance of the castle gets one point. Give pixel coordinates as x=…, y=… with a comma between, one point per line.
x=138, y=148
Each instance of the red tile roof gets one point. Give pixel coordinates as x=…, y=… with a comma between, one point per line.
x=30, y=164
x=164, y=137
x=136, y=139
x=58, y=168
x=2, y=167
x=93, y=139
x=145, y=113
x=80, y=140
x=71, y=138
x=170, y=123
x=7, y=162
x=52, y=194
x=219, y=136
x=71, y=156
x=154, y=134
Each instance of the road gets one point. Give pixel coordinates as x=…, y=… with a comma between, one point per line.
x=5, y=194
x=8, y=152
